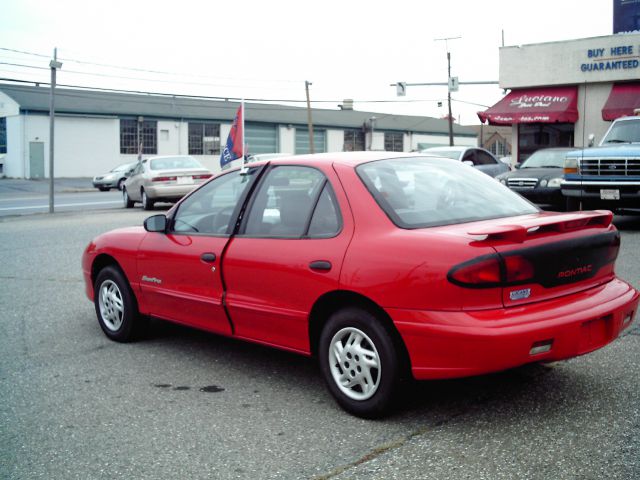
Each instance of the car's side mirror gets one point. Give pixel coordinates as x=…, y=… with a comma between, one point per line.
x=156, y=223
x=592, y=139
x=517, y=166
x=467, y=162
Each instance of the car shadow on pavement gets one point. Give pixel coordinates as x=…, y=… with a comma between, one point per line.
x=531, y=387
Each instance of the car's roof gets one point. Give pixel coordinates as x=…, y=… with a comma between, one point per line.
x=346, y=158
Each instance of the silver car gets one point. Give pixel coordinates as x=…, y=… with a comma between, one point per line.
x=163, y=179
x=114, y=178
x=480, y=158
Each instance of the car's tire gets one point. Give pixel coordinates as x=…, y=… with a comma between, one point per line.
x=147, y=203
x=360, y=362
x=116, y=306
x=120, y=184
x=126, y=200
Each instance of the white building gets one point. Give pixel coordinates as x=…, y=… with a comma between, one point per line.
x=561, y=92
x=96, y=130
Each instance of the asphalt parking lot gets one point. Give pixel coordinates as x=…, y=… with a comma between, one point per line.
x=187, y=404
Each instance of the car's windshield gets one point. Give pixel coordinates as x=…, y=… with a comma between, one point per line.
x=545, y=158
x=124, y=167
x=421, y=192
x=167, y=163
x=625, y=131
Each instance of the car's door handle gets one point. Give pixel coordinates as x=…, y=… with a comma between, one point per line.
x=320, y=265
x=208, y=257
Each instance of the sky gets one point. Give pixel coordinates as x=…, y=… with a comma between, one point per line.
x=255, y=49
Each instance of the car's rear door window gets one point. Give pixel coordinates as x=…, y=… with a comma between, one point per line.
x=292, y=202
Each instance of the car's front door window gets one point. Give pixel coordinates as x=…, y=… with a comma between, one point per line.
x=210, y=209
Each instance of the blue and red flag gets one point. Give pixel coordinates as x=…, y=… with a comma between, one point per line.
x=234, y=148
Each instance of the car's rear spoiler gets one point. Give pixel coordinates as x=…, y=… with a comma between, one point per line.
x=563, y=222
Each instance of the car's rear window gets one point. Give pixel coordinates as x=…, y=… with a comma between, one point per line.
x=419, y=192
x=168, y=163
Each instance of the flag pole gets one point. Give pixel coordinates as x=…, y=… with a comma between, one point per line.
x=243, y=134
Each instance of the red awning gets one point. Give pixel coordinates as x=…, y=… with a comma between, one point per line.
x=535, y=105
x=623, y=100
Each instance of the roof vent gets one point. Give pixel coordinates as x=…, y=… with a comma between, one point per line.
x=347, y=104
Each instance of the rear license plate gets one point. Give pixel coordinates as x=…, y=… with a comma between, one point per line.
x=606, y=194
x=185, y=180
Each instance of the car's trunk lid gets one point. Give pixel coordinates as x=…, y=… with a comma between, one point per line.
x=548, y=255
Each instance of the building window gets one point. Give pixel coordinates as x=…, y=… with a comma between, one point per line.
x=353, y=140
x=204, y=138
x=394, y=141
x=3, y=135
x=129, y=141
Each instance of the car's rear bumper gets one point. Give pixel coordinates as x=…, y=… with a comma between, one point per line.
x=169, y=192
x=464, y=343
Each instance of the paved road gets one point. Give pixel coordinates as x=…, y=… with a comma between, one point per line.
x=20, y=197
x=186, y=404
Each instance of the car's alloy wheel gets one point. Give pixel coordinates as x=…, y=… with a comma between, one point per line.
x=128, y=203
x=360, y=362
x=116, y=306
x=120, y=183
x=111, y=305
x=355, y=363
x=147, y=203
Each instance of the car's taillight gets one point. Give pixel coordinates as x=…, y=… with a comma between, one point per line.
x=492, y=271
x=518, y=269
x=163, y=179
x=481, y=272
x=203, y=176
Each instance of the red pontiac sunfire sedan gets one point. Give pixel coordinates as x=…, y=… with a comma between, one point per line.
x=379, y=264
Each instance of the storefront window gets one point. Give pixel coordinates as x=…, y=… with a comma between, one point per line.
x=532, y=137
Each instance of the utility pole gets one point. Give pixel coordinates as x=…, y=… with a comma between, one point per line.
x=309, y=121
x=139, y=130
x=54, y=64
x=449, y=84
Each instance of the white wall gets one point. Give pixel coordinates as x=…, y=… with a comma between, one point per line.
x=335, y=140
x=287, y=139
x=168, y=137
x=8, y=107
x=378, y=140
x=590, y=113
x=89, y=145
x=14, y=165
x=561, y=63
x=84, y=147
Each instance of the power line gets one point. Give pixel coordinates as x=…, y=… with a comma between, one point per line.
x=210, y=97
x=25, y=53
x=137, y=69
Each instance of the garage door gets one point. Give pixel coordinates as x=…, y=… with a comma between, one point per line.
x=302, y=140
x=261, y=139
